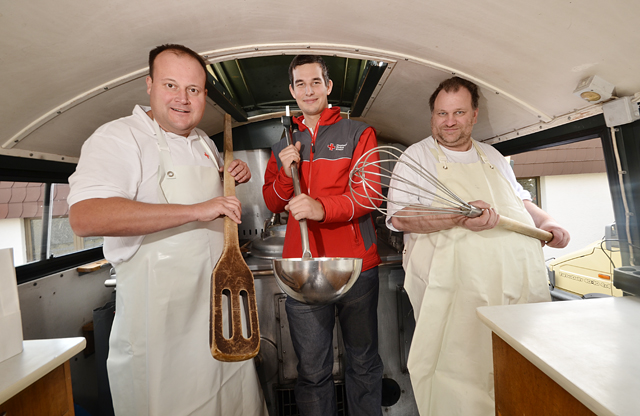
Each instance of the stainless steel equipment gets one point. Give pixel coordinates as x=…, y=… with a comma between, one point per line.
x=254, y=211
x=271, y=241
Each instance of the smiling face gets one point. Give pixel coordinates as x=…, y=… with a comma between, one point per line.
x=310, y=90
x=453, y=118
x=177, y=92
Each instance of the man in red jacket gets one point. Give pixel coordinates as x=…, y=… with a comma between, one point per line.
x=326, y=147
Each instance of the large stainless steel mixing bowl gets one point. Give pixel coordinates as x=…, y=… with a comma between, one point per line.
x=317, y=280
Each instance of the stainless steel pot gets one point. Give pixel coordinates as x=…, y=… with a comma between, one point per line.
x=271, y=243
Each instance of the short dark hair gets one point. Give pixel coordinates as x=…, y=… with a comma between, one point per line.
x=453, y=85
x=178, y=50
x=309, y=59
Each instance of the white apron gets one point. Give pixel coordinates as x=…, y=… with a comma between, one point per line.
x=160, y=361
x=452, y=272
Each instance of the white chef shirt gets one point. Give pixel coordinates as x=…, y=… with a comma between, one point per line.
x=121, y=160
x=421, y=152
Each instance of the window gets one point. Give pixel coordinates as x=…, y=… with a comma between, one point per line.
x=34, y=221
x=533, y=186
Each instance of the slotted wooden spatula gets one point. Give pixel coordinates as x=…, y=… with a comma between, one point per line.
x=231, y=278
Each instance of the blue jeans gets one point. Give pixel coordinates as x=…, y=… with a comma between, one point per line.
x=311, y=328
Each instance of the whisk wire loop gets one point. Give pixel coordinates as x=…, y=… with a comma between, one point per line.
x=383, y=159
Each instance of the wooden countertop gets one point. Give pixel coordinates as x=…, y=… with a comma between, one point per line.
x=38, y=359
x=589, y=347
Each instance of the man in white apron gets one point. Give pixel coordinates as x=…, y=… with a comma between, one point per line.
x=150, y=184
x=455, y=264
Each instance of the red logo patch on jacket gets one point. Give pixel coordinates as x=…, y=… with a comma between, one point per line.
x=331, y=147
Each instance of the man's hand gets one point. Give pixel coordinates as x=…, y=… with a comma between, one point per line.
x=239, y=170
x=305, y=207
x=288, y=156
x=486, y=221
x=545, y=222
x=221, y=206
x=560, y=236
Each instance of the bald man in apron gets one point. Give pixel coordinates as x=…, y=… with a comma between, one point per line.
x=455, y=264
x=150, y=183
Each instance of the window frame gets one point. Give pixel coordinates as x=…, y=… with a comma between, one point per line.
x=20, y=169
x=538, y=196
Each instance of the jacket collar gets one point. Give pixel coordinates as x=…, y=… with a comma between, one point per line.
x=329, y=116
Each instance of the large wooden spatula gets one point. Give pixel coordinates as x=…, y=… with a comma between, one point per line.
x=231, y=278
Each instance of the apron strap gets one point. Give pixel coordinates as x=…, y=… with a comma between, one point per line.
x=439, y=154
x=166, y=164
x=484, y=157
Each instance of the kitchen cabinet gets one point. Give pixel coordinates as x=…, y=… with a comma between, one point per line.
x=38, y=380
x=577, y=357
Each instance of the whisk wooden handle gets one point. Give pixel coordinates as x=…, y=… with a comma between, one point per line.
x=520, y=228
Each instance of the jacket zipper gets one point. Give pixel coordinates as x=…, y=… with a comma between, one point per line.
x=311, y=154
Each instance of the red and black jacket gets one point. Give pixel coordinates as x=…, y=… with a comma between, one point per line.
x=328, y=155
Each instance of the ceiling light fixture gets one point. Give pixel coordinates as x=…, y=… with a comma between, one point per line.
x=594, y=89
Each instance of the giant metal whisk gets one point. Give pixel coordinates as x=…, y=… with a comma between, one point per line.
x=374, y=171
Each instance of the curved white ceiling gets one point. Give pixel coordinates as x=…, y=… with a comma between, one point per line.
x=527, y=56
